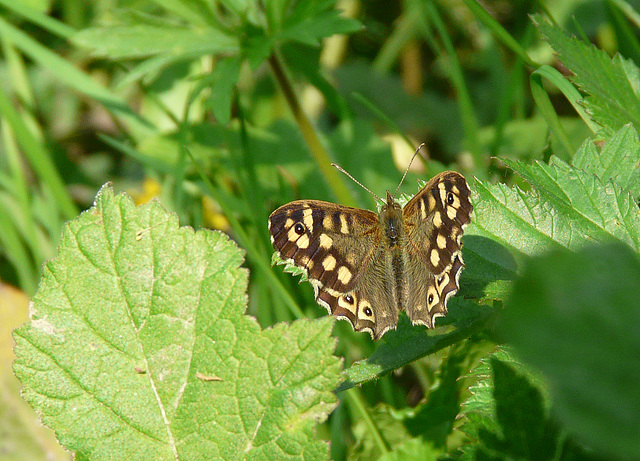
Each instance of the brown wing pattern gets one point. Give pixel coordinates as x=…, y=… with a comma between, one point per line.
x=335, y=245
x=435, y=220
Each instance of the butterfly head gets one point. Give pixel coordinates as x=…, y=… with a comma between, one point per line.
x=391, y=219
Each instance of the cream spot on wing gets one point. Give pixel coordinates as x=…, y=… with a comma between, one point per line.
x=344, y=275
x=307, y=218
x=455, y=190
x=327, y=222
x=435, y=257
x=443, y=194
x=437, y=219
x=303, y=241
x=423, y=212
x=288, y=223
x=351, y=259
x=325, y=241
x=329, y=263
x=304, y=260
x=432, y=202
x=344, y=225
x=451, y=213
x=441, y=240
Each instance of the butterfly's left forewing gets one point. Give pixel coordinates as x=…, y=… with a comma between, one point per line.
x=335, y=246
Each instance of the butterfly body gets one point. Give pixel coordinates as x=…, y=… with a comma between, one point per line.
x=367, y=267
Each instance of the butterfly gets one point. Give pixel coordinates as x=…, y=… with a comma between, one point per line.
x=366, y=267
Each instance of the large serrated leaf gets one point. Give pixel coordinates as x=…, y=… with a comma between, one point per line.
x=575, y=316
x=618, y=160
x=138, y=347
x=569, y=208
x=611, y=84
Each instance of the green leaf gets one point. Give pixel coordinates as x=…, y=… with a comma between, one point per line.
x=575, y=316
x=584, y=208
x=310, y=29
x=224, y=78
x=568, y=208
x=611, y=84
x=138, y=347
x=618, y=160
x=144, y=40
x=392, y=425
x=409, y=343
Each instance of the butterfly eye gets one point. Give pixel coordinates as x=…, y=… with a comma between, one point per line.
x=450, y=198
x=349, y=299
x=299, y=228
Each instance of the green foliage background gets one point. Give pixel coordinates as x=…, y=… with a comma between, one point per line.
x=147, y=340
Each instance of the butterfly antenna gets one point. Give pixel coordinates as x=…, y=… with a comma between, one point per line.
x=407, y=170
x=356, y=181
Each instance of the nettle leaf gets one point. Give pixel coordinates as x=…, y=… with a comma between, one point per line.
x=611, y=83
x=138, y=347
x=575, y=317
x=618, y=160
x=568, y=208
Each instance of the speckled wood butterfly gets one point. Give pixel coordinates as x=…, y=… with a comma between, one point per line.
x=367, y=267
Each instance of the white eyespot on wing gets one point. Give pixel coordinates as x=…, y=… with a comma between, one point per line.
x=432, y=297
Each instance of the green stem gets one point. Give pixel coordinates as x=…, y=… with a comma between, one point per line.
x=245, y=242
x=355, y=400
x=335, y=181
x=469, y=121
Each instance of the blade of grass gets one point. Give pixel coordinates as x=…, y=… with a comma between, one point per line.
x=499, y=32
x=20, y=194
x=621, y=28
x=467, y=112
x=69, y=74
x=404, y=31
x=543, y=102
x=386, y=119
x=335, y=181
x=13, y=247
x=245, y=241
x=38, y=157
x=631, y=14
x=46, y=22
x=354, y=397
